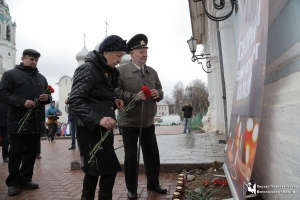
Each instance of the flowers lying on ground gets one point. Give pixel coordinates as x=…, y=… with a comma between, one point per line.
x=27, y=116
x=206, y=183
x=147, y=93
x=216, y=181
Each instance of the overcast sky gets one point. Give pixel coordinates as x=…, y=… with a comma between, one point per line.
x=55, y=29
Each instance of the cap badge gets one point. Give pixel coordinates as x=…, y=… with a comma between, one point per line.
x=143, y=43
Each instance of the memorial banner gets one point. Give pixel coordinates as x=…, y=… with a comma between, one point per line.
x=247, y=101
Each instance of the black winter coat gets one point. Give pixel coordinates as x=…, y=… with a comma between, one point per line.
x=3, y=114
x=92, y=98
x=187, y=110
x=18, y=85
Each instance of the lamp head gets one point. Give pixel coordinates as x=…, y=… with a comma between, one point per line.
x=192, y=42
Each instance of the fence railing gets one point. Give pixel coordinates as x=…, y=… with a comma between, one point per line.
x=197, y=120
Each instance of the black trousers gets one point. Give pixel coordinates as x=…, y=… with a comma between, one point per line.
x=150, y=156
x=106, y=183
x=53, y=131
x=23, y=148
x=5, y=141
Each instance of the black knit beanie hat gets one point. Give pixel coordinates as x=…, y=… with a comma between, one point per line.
x=113, y=43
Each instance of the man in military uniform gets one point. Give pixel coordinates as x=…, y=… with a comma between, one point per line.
x=132, y=77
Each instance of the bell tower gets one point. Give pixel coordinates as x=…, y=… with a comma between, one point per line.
x=7, y=39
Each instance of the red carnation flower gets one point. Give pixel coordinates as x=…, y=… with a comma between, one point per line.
x=224, y=183
x=146, y=91
x=50, y=89
x=216, y=181
x=206, y=183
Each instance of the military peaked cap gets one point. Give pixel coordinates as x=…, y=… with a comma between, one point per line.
x=138, y=41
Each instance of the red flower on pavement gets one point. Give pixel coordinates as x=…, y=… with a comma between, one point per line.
x=23, y=121
x=216, y=181
x=224, y=183
x=206, y=183
x=146, y=91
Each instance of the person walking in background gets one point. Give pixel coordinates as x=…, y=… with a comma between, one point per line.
x=132, y=77
x=187, y=113
x=93, y=99
x=19, y=87
x=3, y=132
x=72, y=120
x=52, y=114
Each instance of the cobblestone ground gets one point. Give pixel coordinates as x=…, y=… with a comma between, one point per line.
x=58, y=182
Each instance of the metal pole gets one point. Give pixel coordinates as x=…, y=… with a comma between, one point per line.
x=222, y=79
x=139, y=147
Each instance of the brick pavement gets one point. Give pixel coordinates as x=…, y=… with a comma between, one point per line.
x=58, y=182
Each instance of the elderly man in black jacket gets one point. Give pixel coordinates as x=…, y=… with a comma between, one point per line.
x=19, y=88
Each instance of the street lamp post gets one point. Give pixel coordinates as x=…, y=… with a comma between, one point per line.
x=192, y=42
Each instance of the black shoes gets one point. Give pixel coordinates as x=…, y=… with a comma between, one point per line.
x=72, y=148
x=88, y=195
x=131, y=195
x=30, y=185
x=6, y=160
x=12, y=191
x=38, y=156
x=158, y=189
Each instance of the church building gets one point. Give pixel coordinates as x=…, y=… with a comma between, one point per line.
x=7, y=39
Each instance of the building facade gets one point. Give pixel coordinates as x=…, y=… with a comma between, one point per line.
x=276, y=161
x=7, y=39
x=162, y=109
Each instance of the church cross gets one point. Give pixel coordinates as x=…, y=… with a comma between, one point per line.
x=84, y=36
x=106, y=26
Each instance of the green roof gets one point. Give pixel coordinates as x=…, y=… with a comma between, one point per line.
x=3, y=17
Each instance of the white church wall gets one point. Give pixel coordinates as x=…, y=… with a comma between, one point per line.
x=277, y=160
x=64, y=84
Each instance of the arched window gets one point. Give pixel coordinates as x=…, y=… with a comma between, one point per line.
x=8, y=33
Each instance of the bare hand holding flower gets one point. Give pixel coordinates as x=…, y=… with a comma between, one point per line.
x=29, y=104
x=119, y=103
x=141, y=96
x=108, y=123
x=43, y=97
x=154, y=94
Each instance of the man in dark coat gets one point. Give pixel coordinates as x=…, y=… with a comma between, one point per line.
x=3, y=131
x=187, y=113
x=19, y=89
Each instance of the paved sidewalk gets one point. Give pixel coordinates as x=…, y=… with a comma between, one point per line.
x=57, y=181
